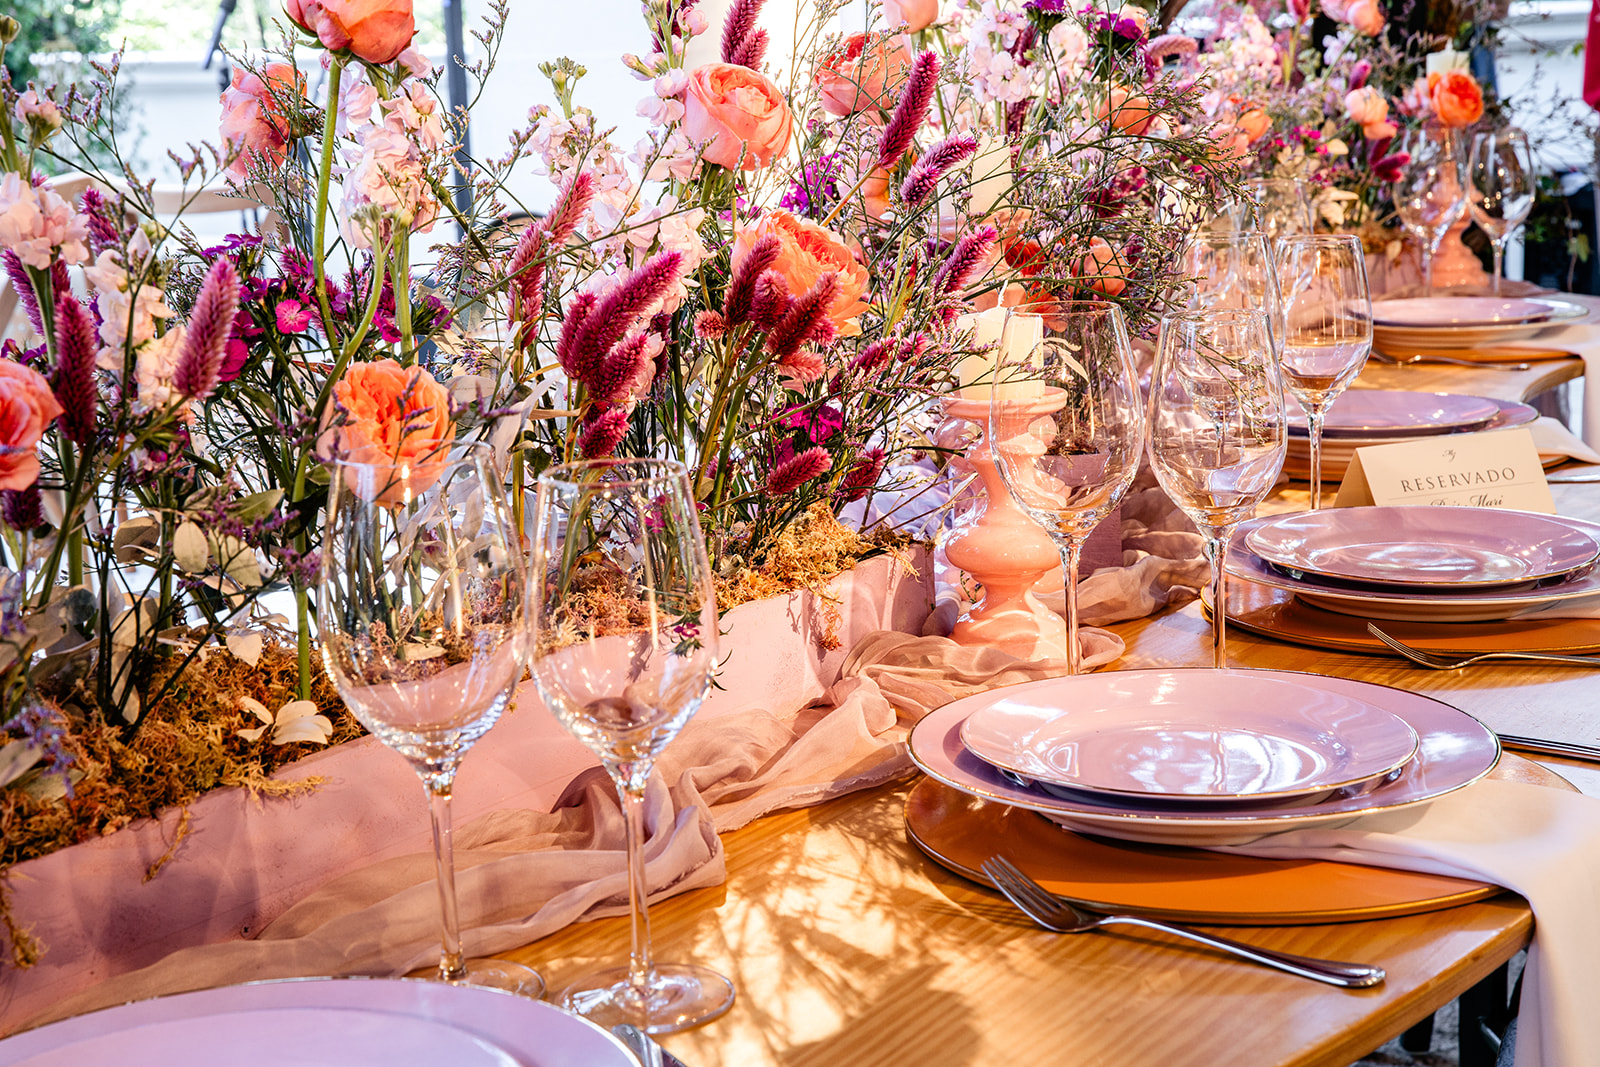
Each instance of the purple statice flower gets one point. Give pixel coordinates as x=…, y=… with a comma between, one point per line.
x=103, y=232
x=816, y=188
x=40, y=725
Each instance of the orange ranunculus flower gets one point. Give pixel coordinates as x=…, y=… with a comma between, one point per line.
x=738, y=114
x=1457, y=100
x=807, y=252
x=26, y=407
x=253, y=118
x=863, y=74
x=374, y=30
x=1101, y=267
x=910, y=15
x=397, y=420
x=1128, y=111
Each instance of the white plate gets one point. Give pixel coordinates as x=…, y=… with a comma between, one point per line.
x=1366, y=413
x=337, y=1022
x=1454, y=751
x=1419, y=605
x=1408, y=340
x=1434, y=312
x=1261, y=738
x=1407, y=547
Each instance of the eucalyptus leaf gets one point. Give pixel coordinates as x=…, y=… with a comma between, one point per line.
x=256, y=506
x=258, y=709
x=137, y=539
x=246, y=646
x=189, y=547
x=16, y=757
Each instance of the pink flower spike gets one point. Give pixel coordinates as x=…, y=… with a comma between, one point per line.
x=22, y=285
x=618, y=312
x=742, y=286
x=73, y=381
x=751, y=51
x=200, y=363
x=965, y=258
x=797, y=470
x=569, y=209
x=807, y=320
x=603, y=432
x=738, y=26
x=911, y=111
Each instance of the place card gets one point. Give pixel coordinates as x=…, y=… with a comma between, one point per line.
x=1479, y=470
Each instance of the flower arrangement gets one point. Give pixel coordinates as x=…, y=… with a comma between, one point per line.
x=769, y=287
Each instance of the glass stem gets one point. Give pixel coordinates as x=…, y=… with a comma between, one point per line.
x=1216, y=554
x=1427, y=267
x=1314, y=419
x=1071, y=556
x=1499, y=246
x=641, y=963
x=451, y=968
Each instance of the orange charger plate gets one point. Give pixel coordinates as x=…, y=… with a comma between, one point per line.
x=960, y=831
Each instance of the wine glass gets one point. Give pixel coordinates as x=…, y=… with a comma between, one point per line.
x=1278, y=207
x=1327, y=326
x=1233, y=269
x=1501, y=182
x=1429, y=197
x=1066, y=424
x=421, y=612
x=624, y=633
x=1216, y=430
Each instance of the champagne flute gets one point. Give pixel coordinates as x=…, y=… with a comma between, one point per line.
x=1327, y=326
x=1429, y=197
x=1501, y=182
x=1216, y=430
x=421, y=616
x=1066, y=424
x=624, y=634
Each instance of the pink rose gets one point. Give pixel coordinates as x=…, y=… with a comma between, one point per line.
x=1337, y=10
x=1366, y=17
x=738, y=114
x=912, y=15
x=253, y=119
x=395, y=419
x=374, y=30
x=26, y=407
x=807, y=252
x=866, y=73
x=1127, y=111
x=1101, y=267
x=1365, y=105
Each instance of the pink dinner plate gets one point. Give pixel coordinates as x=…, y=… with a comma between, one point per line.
x=337, y=1022
x=1454, y=750
x=1137, y=736
x=1426, y=311
x=1398, y=413
x=1424, y=546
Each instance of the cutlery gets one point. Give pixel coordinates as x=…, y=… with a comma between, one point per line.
x=645, y=1048
x=1541, y=747
x=1062, y=916
x=1426, y=357
x=1449, y=663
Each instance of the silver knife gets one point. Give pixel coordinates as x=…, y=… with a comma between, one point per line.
x=642, y=1045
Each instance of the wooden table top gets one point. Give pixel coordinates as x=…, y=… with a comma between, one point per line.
x=849, y=947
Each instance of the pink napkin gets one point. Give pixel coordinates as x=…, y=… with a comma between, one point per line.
x=1539, y=842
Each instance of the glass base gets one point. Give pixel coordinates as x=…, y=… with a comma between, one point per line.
x=681, y=996
x=503, y=975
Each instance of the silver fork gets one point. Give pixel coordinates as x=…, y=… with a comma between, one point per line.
x=1424, y=357
x=1054, y=913
x=1449, y=663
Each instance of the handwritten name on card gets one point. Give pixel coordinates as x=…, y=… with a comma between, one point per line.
x=1481, y=470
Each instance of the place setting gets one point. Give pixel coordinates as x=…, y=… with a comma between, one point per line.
x=1472, y=328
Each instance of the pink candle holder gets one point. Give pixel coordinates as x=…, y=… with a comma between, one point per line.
x=1003, y=550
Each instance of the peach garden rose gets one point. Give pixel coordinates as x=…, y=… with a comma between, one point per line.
x=807, y=252
x=27, y=407
x=864, y=73
x=738, y=114
x=910, y=15
x=253, y=119
x=1457, y=101
x=396, y=419
x=374, y=30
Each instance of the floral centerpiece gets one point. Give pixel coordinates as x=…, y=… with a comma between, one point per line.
x=768, y=287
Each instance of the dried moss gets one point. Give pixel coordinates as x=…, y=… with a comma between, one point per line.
x=810, y=552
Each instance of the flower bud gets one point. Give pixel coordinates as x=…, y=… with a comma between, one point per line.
x=9, y=28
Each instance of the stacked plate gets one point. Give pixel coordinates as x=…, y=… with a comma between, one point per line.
x=1359, y=418
x=1202, y=757
x=1435, y=564
x=1457, y=324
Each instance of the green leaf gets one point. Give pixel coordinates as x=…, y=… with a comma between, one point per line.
x=189, y=548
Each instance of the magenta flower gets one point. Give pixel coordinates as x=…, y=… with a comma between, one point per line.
x=911, y=111
x=292, y=316
x=603, y=431
x=204, y=345
x=743, y=43
x=797, y=470
x=73, y=381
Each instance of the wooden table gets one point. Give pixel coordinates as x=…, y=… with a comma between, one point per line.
x=851, y=949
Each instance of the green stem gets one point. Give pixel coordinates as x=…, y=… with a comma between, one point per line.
x=400, y=276
x=330, y=126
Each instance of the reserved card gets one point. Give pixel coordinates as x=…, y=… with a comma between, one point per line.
x=1480, y=470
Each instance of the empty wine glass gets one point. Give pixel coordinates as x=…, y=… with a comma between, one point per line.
x=1278, y=207
x=1429, y=197
x=624, y=635
x=1501, y=182
x=1327, y=326
x=421, y=616
x=1233, y=269
x=1066, y=424
x=1216, y=430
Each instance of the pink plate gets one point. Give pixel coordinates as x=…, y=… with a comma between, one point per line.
x=1454, y=750
x=1424, y=546
x=1397, y=413
x=338, y=1022
x=1137, y=736
x=1427, y=311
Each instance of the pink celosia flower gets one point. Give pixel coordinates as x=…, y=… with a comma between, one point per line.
x=39, y=226
x=73, y=382
x=215, y=308
x=797, y=470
